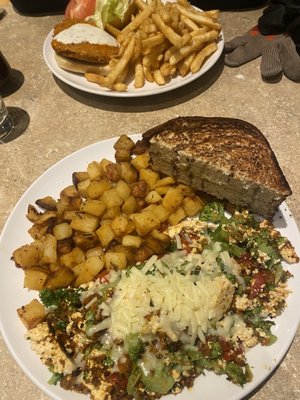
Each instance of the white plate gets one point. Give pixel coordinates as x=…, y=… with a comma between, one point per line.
x=211, y=387
x=79, y=82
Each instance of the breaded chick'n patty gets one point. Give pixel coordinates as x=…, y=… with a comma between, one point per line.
x=82, y=40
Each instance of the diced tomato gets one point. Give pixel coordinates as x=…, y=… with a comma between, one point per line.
x=118, y=380
x=80, y=9
x=259, y=281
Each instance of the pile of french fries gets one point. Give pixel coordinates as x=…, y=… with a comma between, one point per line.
x=115, y=214
x=162, y=40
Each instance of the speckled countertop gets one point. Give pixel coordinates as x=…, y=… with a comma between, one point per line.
x=54, y=120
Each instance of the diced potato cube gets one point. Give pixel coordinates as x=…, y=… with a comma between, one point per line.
x=132, y=241
x=114, y=260
x=162, y=190
x=166, y=181
x=163, y=237
x=177, y=216
x=62, y=231
x=70, y=197
x=153, y=197
x=76, y=256
x=141, y=161
x=113, y=172
x=185, y=190
x=97, y=187
x=111, y=198
x=124, y=142
x=111, y=213
x=155, y=245
x=161, y=212
x=85, y=240
x=84, y=222
x=122, y=155
x=192, y=205
x=79, y=176
x=130, y=205
x=140, y=189
x=145, y=222
x=27, y=256
x=93, y=206
x=128, y=172
x=34, y=279
x=172, y=199
x=60, y=278
x=103, y=164
x=32, y=314
x=123, y=189
x=95, y=251
x=120, y=225
x=49, y=249
x=151, y=177
x=94, y=264
x=105, y=234
x=94, y=170
x=82, y=274
x=82, y=187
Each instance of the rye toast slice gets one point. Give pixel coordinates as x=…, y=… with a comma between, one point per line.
x=224, y=157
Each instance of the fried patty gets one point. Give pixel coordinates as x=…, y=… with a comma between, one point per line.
x=85, y=51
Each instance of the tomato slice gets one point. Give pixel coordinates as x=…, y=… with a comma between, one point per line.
x=259, y=281
x=80, y=9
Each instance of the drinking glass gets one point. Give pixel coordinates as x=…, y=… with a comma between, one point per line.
x=6, y=121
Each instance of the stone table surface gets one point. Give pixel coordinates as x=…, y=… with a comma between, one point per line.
x=54, y=120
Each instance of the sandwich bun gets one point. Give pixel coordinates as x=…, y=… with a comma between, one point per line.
x=79, y=67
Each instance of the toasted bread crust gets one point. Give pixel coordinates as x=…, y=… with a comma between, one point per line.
x=225, y=157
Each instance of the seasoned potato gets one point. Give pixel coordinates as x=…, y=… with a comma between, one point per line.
x=62, y=231
x=34, y=279
x=94, y=170
x=123, y=189
x=114, y=260
x=132, y=241
x=111, y=198
x=60, y=278
x=105, y=234
x=84, y=222
x=76, y=256
x=145, y=222
x=153, y=197
x=192, y=205
x=130, y=205
x=149, y=176
x=111, y=216
x=172, y=199
x=124, y=142
x=27, y=256
x=97, y=187
x=32, y=314
x=177, y=216
x=92, y=206
x=141, y=161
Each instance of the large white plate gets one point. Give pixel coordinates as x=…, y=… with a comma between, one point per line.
x=208, y=387
x=79, y=82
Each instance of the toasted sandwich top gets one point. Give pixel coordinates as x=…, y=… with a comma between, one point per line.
x=233, y=146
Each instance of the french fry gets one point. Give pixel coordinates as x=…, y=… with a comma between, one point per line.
x=170, y=34
x=185, y=64
x=139, y=77
x=158, y=77
x=112, y=30
x=201, y=56
x=136, y=22
x=109, y=80
x=199, y=17
x=195, y=45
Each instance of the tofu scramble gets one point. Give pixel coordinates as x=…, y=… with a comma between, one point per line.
x=151, y=329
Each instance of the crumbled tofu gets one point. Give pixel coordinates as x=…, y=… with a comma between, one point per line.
x=46, y=347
